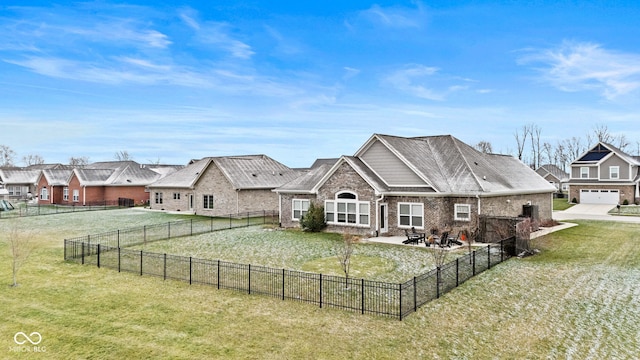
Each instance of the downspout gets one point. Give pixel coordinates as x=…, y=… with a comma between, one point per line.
x=84, y=195
x=378, y=214
x=238, y=201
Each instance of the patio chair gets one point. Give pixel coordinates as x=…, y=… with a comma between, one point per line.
x=444, y=240
x=412, y=238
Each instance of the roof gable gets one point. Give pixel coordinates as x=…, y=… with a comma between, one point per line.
x=389, y=166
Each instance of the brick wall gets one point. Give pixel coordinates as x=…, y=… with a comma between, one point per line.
x=626, y=191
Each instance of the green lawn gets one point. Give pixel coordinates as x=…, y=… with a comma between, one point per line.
x=576, y=299
x=561, y=204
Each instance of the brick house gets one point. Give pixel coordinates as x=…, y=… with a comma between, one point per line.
x=605, y=175
x=394, y=183
x=96, y=183
x=215, y=186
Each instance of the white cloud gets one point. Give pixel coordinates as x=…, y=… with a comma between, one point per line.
x=587, y=67
x=395, y=17
x=420, y=81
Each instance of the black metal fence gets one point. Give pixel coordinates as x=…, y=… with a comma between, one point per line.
x=368, y=297
x=24, y=209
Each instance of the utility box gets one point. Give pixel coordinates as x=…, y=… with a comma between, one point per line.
x=530, y=211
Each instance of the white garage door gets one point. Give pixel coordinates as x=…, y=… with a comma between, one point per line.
x=592, y=196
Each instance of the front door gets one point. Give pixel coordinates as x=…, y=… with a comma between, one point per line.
x=384, y=217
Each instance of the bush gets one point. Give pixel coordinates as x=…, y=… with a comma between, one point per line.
x=625, y=202
x=574, y=200
x=313, y=220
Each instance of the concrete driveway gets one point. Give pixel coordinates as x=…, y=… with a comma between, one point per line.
x=592, y=212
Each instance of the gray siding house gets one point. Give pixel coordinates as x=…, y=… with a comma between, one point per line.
x=605, y=175
x=392, y=184
x=215, y=186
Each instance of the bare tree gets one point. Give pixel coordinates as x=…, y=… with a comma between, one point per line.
x=484, y=147
x=6, y=156
x=123, y=156
x=343, y=253
x=535, y=131
x=621, y=142
x=32, y=159
x=600, y=134
x=20, y=247
x=547, y=154
x=521, y=140
x=79, y=161
x=439, y=255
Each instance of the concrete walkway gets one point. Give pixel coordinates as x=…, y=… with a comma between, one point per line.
x=592, y=212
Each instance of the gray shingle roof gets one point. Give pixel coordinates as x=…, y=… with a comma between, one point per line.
x=243, y=172
x=19, y=176
x=57, y=177
x=445, y=163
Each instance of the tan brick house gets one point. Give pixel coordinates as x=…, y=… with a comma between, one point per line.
x=605, y=175
x=393, y=183
x=215, y=186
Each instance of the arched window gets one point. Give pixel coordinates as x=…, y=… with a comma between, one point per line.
x=346, y=209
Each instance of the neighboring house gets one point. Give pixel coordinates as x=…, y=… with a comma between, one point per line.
x=216, y=186
x=605, y=175
x=393, y=184
x=97, y=183
x=555, y=176
x=20, y=183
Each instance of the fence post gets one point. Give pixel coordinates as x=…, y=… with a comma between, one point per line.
x=400, y=301
x=283, y=284
x=218, y=274
x=169, y=230
x=118, y=259
x=415, y=294
x=118, y=238
x=489, y=257
x=98, y=255
x=437, y=282
x=457, y=272
x=82, y=252
x=362, y=297
x=249, y=279
x=190, y=269
x=473, y=266
x=320, y=290
x=165, y=267
x=140, y=262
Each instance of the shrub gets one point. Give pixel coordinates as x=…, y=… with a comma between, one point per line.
x=313, y=220
x=625, y=202
x=574, y=200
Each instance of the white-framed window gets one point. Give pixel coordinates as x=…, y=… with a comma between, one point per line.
x=207, y=201
x=158, y=198
x=65, y=194
x=346, y=209
x=300, y=208
x=44, y=194
x=411, y=215
x=15, y=190
x=462, y=212
x=614, y=172
x=76, y=195
x=584, y=172
x=176, y=196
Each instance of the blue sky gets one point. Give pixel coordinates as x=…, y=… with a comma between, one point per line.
x=297, y=81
